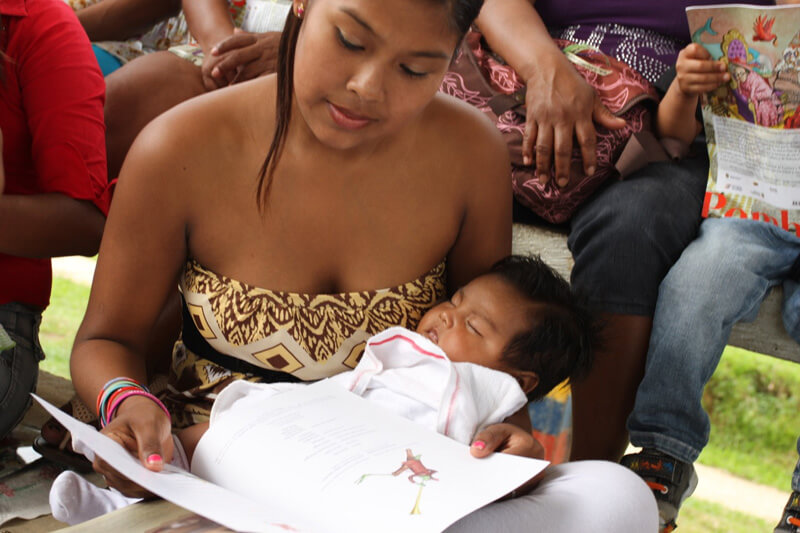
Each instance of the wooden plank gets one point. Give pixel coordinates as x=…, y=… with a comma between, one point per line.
x=137, y=518
x=765, y=335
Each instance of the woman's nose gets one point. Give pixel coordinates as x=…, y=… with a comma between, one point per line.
x=367, y=83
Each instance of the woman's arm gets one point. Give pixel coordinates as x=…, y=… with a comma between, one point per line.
x=209, y=21
x=143, y=251
x=484, y=177
x=117, y=20
x=560, y=103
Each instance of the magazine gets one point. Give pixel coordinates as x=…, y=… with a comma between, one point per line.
x=752, y=123
x=319, y=459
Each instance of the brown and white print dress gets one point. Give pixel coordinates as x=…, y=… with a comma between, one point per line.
x=232, y=330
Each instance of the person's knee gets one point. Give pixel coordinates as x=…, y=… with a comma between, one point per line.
x=19, y=369
x=614, y=497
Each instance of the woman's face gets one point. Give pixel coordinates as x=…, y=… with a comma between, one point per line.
x=365, y=68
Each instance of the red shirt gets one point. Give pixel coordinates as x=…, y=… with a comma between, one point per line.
x=51, y=116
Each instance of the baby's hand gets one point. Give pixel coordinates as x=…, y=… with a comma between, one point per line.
x=697, y=72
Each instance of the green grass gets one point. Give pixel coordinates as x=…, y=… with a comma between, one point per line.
x=698, y=516
x=60, y=323
x=753, y=401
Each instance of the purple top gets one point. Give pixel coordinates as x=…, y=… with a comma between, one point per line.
x=647, y=35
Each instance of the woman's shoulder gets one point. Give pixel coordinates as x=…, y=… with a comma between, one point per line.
x=213, y=129
x=464, y=134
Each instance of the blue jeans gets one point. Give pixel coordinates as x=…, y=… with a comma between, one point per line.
x=719, y=280
x=19, y=366
x=629, y=234
x=796, y=474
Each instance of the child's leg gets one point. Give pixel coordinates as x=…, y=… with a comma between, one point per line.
x=720, y=279
x=790, y=520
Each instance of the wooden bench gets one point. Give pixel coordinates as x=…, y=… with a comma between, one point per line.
x=765, y=335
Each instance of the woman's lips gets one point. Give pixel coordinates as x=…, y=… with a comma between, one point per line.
x=344, y=118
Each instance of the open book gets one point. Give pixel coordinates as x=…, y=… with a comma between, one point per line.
x=323, y=459
x=752, y=123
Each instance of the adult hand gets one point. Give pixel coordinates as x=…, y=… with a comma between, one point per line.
x=143, y=429
x=242, y=56
x=562, y=105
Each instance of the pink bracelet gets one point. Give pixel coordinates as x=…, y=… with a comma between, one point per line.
x=119, y=399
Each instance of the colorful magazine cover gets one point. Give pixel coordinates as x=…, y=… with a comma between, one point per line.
x=752, y=123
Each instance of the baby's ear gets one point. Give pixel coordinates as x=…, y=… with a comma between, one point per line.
x=527, y=380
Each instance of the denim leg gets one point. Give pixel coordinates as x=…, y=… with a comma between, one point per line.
x=626, y=238
x=19, y=366
x=720, y=279
x=796, y=474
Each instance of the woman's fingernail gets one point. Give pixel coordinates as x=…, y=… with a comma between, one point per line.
x=154, y=458
x=590, y=171
x=562, y=182
x=214, y=51
x=479, y=444
x=526, y=160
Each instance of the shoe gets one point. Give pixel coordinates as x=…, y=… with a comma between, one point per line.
x=790, y=521
x=55, y=442
x=671, y=480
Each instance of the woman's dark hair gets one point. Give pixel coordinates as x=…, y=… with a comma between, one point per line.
x=563, y=333
x=462, y=14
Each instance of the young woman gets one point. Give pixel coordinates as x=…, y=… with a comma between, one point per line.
x=377, y=198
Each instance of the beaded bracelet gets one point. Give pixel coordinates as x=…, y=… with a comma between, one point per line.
x=110, y=388
x=111, y=391
x=136, y=392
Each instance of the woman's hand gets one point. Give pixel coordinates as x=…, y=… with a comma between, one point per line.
x=240, y=57
x=144, y=430
x=561, y=105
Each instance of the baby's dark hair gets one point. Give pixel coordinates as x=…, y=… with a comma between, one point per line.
x=563, y=331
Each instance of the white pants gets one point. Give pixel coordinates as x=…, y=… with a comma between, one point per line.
x=595, y=496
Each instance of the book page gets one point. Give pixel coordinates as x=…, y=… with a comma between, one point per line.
x=226, y=507
x=759, y=163
x=752, y=123
x=356, y=466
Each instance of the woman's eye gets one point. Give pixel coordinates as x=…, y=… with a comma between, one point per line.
x=413, y=73
x=347, y=44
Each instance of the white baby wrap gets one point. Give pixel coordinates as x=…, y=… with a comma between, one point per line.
x=407, y=374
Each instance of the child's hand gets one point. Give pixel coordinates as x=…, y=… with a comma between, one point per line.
x=697, y=72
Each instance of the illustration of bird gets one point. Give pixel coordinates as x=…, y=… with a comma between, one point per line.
x=763, y=29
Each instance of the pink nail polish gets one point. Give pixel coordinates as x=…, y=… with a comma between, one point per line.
x=479, y=444
x=154, y=458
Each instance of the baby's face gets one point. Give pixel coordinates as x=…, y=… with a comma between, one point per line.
x=478, y=322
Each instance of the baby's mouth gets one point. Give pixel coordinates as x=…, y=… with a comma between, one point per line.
x=433, y=336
